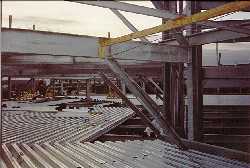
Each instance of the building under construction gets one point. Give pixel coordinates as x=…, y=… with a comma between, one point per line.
x=70, y=100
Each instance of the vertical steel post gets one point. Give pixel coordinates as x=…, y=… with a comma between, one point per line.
x=9, y=87
x=78, y=87
x=10, y=21
x=87, y=89
x=194, y=93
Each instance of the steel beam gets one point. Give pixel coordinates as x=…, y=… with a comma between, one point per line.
x=157, y=92
x=205, y=5
x=114, y=6
x=146, y=101
x=155, y=84
x=226, y=83
x=82, y=70
x=44, y=47
x=144, y=118
x=221, y=25
x=179, y=22
x=227, y=72
x=211, y=36
x=216, y=150
x=14, y=42
x=130, y=8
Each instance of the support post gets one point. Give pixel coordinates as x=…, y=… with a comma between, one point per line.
x=9, y=87
x=53, y=87
x=62, y=90
x=166, y=91
x=10, y=21
x=87, y=89
x=34, y=85
x=78, y=88
x=197, y=92
x=194, y=93
x=173, y=79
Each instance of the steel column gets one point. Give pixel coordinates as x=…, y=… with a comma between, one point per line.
x=9, y=87
x=193, y=82
x=87, y=89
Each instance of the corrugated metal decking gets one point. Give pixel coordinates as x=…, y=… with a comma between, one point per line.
x=110, y=154
x=40, y=127
x=40, y=139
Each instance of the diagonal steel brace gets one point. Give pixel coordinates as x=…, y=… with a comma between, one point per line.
x=162, y=125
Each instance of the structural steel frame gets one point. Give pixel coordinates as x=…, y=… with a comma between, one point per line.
x=173, y=24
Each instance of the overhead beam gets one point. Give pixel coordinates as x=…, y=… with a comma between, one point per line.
x=211, y=36
x=72, y=49
x=130, y=8
x=114, y=6
x=222, y=25
x=52, y=48
x=205, y=5
x=180, y=22
x=22, y=70
x=127, y=23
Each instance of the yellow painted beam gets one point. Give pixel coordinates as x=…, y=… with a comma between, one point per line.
x=176, y=23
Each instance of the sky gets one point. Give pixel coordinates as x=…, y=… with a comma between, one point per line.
x=75, y=18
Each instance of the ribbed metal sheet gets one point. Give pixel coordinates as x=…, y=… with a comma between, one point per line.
x=41, y=127
x=141, y=154
x=47, y=140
